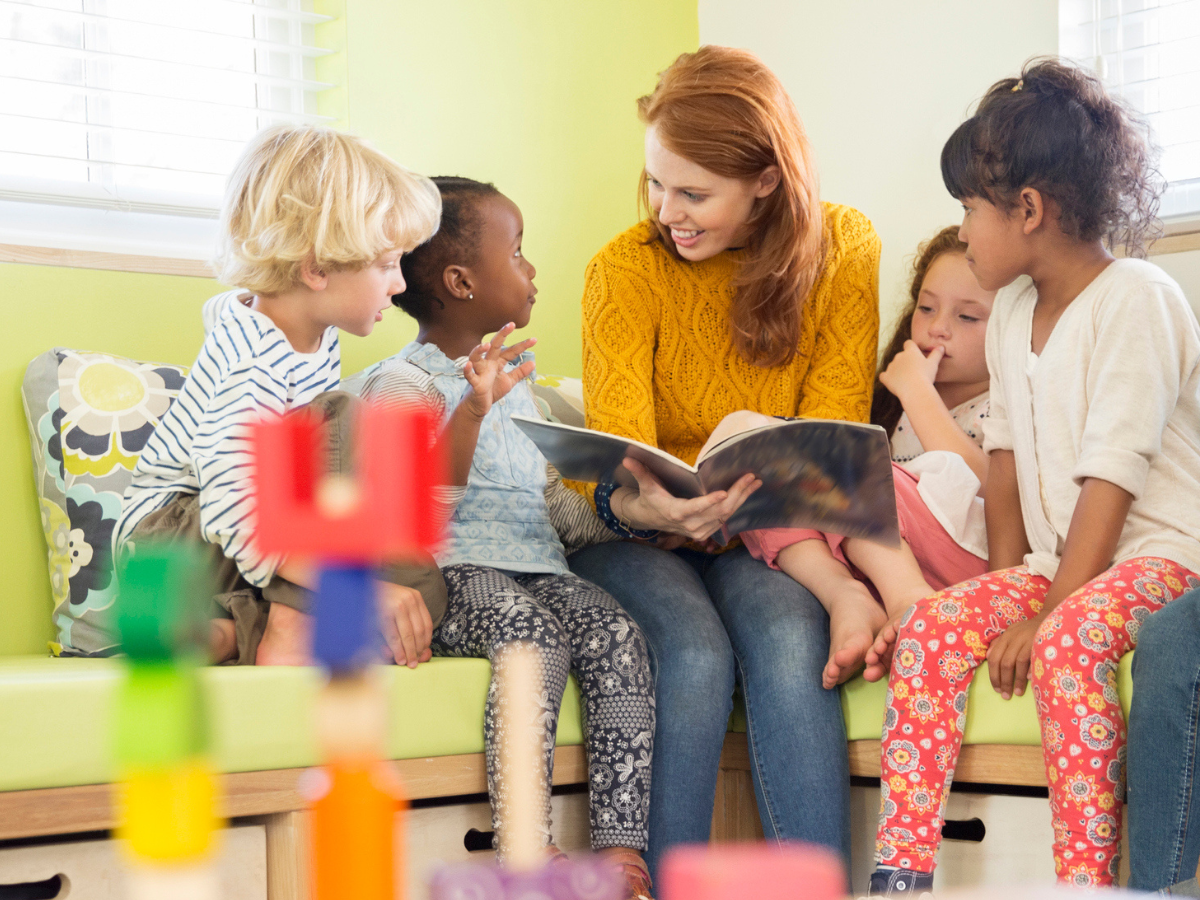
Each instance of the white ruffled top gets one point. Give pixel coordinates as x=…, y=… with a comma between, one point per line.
x=944, y=480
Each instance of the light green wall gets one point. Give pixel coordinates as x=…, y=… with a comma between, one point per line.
x=535, y=95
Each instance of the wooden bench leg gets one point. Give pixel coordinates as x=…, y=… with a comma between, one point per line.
x=287, y=865
x=735, y=812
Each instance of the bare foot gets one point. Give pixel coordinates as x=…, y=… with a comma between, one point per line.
x=222, y=640
x=287, y=640
x=854, y=618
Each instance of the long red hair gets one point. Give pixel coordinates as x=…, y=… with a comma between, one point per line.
x=886, y=408
x=724, y=110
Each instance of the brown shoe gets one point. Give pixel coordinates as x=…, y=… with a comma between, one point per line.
x=634, y=870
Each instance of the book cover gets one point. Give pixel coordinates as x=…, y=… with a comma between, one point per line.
x=816, y=473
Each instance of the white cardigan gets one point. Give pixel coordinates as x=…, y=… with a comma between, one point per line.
x=1115, y=394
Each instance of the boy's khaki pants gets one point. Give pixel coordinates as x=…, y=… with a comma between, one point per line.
x=237, y=599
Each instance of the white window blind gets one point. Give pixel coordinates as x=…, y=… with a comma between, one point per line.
x=1148, y=51
x=143, y=106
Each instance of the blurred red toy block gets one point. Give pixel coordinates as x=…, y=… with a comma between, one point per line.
x=761, y=871
x=384, y=511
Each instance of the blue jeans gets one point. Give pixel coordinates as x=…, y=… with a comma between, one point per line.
x=1163, y=765
x=711, y=621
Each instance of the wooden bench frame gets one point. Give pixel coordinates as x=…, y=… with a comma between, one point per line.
x=271, y=797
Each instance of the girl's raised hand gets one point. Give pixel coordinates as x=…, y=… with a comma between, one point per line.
x=485, y=370
x=911, y=368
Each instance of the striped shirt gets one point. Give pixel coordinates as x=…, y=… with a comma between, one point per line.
x=245, y=369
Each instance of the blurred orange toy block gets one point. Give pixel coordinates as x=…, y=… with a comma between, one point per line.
x=354, y=811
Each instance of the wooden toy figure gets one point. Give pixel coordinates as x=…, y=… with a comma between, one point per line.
x=167, y=796
x=527, y=874
x=349, y=525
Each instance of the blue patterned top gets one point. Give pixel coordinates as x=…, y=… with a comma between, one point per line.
x=502, y=521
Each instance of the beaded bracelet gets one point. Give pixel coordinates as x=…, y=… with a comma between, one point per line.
x=603, y=497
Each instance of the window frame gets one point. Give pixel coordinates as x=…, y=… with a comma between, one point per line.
x=54, y=227
x=1180, y=230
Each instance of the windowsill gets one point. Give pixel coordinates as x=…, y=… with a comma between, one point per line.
x=98, y=238
x=1178, y=237
x=95, y=259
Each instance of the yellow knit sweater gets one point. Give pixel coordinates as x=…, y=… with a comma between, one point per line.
x=659, y=362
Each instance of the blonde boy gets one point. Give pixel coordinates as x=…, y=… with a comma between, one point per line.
x=312, y=229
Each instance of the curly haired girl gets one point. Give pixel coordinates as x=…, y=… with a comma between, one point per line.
x=1093, y=490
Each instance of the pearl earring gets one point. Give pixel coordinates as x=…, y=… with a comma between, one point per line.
x=470, y=296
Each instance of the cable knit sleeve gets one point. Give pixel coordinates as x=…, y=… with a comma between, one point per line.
x=842, y=372
x=618, y=349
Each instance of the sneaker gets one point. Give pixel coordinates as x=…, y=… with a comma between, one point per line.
x=899, y=883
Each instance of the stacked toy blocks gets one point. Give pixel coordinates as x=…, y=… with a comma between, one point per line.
x=349, y=524
x=167, y=795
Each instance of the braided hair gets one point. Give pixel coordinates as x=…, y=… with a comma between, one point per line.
x=456, y=242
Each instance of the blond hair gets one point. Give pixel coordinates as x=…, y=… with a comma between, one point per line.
x=305, y=193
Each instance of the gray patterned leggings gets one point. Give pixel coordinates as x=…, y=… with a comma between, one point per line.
x=577, y=628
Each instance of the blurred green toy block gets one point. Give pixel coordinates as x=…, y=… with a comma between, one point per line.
x=162, y=602
x=160, y=719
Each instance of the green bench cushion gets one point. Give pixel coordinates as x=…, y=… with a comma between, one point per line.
x=990, y=720
x=57, y=714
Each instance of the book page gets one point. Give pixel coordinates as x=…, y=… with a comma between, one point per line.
x=817, y=473
x=582, y=454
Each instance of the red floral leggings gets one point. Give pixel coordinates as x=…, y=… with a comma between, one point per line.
x=1074, y=675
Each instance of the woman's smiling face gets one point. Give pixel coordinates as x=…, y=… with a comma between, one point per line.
x=705, y=212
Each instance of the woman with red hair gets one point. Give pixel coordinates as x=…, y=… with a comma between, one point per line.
x=740, y=290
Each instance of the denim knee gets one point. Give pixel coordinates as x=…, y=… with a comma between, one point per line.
x=1166, y=636
x=698, y=668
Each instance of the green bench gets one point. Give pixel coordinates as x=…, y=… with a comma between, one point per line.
x=55, y=770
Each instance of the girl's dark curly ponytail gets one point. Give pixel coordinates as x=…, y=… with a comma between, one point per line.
x=1056, y=129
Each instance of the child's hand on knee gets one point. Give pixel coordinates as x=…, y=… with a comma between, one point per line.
x=405, y=622
x=1009, y=657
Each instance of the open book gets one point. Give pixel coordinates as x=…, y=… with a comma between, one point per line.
x=816, y=473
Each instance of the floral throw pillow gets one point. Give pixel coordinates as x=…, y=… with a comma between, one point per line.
x=561, y=397
x=89, y=416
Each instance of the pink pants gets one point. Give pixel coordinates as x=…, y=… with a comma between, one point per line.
x=943, y=562
x=1074, y=676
